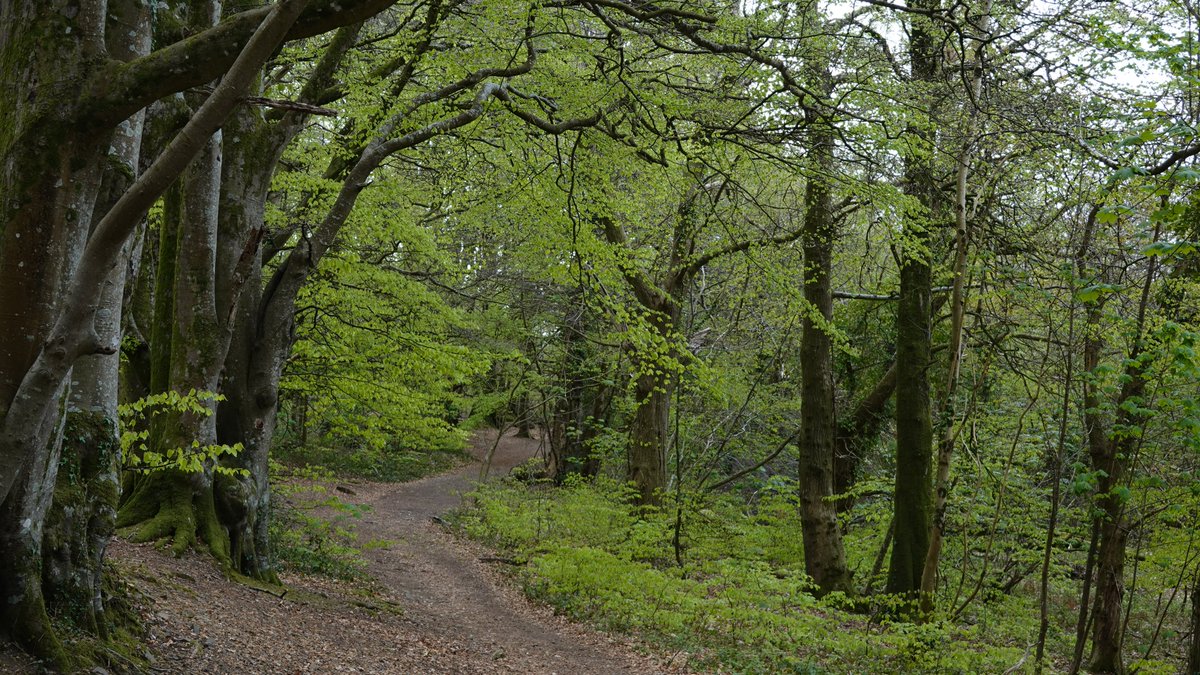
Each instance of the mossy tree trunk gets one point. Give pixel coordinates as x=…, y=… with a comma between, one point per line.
x=71, y=94
x=656, y=370
x=83, y=511
x=260, y=339
x=51, y=174
x=649, y=432
x=187, y=350
x=855, y=434
x=215, y=348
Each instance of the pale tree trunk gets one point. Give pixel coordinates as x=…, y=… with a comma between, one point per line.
x=189, y=345
x=824, y=556
x=49, y=154
x=962, y=240
x=83, y=512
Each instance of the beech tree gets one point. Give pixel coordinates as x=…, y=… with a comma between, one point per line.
x=55, y=142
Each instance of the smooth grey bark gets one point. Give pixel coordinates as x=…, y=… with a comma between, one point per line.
x=48, y=156
x=189, y=345
x=82, y=514
x=949, y=430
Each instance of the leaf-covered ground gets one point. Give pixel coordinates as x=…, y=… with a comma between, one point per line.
x=432, y=606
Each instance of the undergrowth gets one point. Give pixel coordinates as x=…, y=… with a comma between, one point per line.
x=739, y=602
x=310, y=526
x=388, y=464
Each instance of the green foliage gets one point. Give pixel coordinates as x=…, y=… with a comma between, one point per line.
x=136, y=417
x=740, y=603
x=310, y=526
x=389, y=463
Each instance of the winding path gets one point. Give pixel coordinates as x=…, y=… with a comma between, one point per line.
x=447, y=592
x=435, y=607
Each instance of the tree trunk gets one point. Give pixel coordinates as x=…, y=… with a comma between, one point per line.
x=569, y=453
x=648, y=434
x=914, y=426
x=856, y=432
x=50, y=181
x=949, y=432
x=257, y=349
x=82, y=514
x=188, y=349
x=824, y=556
x=1193, y=662
x=52, y=270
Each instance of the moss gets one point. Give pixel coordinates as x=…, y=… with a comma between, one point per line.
x=164, y=505
x=34, y=631
x=25, y=616
x=118, y=645
x=79, y=520
x=210, y=528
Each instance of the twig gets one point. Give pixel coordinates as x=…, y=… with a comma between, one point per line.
x=1017, y=666
x=267, y=591
x=506, y=561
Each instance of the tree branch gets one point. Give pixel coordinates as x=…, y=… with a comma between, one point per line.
x=118, y=91
x=72, y=333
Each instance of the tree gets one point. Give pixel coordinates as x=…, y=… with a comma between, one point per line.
x=54, y=269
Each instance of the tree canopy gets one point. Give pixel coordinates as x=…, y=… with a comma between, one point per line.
x=898, y=300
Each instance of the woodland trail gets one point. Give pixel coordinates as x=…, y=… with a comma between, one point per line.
x=434, y=606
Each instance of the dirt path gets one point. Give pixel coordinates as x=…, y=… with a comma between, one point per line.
x=455, y=613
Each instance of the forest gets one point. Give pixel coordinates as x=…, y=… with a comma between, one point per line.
x=852, y=335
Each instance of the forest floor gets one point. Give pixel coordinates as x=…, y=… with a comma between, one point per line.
x=435, y=604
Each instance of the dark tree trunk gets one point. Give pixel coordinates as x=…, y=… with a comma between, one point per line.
x=262, y=331
x=573, y=417
x=913, y=494
x=656, y=373
x=824, y=556
x=856, y=432
x=247, y=416
x=648, y=433
x=914, y=431
x=1193, y=662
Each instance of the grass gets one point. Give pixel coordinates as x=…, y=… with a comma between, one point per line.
x=739, y=603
